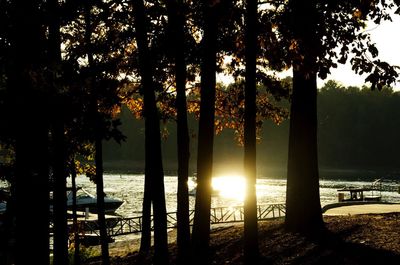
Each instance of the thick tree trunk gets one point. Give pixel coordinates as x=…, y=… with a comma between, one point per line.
x=251, y=251
x=303, y=208
x=176, y=20
x=154, y=173
x=32, y=178
x=60, y=248
x=59, y=197
x=32, y=223
x=201, y=227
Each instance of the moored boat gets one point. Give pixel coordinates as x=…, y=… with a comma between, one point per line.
x=86, y=201
x=3, y=207
x=4, y=196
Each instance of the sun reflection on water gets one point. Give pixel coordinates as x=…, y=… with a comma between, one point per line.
x=232, y=186
x=231, y=189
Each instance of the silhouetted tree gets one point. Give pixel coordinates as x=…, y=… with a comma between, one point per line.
x=60, y=244
x=251, y=251
x=201, y=226
x=31, y=133
x=176, y=20
x=36, y=76
x=154, y=175
x=316, y=30
x=98, y=136
x=303, y=158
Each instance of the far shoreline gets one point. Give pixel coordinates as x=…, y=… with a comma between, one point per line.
x=326, y=173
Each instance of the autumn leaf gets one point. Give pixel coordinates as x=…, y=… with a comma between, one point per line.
x=357, y=14
x=293, y=45
x=135, y=106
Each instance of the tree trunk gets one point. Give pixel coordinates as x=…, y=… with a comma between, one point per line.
x=77, y=258
x=98, y=145
x=154, y=173
x=32, y=178
x=100, y=201
x=251, y=251
x=32, y=223
x=303, y=207
x=201, y=227
x=59, y=197
x=145, y=239
x=60, y=248
x=176, y=20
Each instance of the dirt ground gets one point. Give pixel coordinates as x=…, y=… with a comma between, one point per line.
x=355, y=239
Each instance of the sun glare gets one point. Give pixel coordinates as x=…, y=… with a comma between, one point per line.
x=232, y=186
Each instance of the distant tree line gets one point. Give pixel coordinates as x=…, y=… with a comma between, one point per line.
x=358, y=128
x=357, y=136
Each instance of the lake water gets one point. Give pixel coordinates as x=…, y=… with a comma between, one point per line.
x=130, y=189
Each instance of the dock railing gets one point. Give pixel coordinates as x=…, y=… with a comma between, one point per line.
x=219, y=215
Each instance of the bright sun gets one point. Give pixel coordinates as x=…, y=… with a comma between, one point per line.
x=232, y=186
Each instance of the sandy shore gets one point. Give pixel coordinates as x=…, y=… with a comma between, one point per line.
x=373, y=208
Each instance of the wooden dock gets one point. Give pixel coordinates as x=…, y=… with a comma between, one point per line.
x=117, y=226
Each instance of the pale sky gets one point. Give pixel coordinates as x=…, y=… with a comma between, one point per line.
x=387, y=39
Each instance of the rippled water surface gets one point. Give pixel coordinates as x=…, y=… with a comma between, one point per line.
x=130, y=189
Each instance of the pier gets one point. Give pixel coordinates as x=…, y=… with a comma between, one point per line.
x=117, y=226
